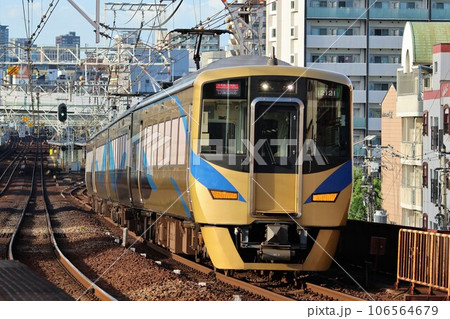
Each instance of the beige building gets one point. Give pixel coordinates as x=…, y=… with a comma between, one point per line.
x=391, y=172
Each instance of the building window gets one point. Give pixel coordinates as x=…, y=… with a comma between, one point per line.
x=434, y=136
x=435, y=187
x=377, y=5
x=293, y=32
x=425, y=123
x=446, y=119
x=292, y=60
x=293, y=5
x=440, y=5
x=381, y=32
x=425, y=175
x=273, y=33
x=435, y=67
x=273, y=8
x=447, y=175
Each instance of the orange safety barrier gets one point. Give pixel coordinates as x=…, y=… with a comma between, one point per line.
x=424, y=259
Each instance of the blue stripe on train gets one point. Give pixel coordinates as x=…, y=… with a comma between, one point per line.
x=180, y=196
x=336, y=182
x=210, y=177
x=147, y=172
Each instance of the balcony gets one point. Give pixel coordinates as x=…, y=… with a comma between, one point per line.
x=440, y=14
x=374, y=124
x=336, y=41
x=412, y=153
x=335, y=13
x=359, y=123
x=383, y=69
x=349, y=69
x=385, y=42
x=398, y=14
x=409, y=105
x=376, y=96
x=359, y=96
x=411, y=197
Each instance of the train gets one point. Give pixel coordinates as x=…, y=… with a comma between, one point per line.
x=246, y=163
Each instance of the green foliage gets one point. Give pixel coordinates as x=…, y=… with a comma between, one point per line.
x=357, y=209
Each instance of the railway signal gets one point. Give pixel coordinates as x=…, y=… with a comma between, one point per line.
x=62, y=112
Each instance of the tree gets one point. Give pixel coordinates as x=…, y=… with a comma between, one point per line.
x=358, y=210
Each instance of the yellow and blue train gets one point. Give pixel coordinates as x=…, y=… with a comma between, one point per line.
x=244, y=163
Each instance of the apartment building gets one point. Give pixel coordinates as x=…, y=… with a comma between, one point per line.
x=410, y=174
x=4, y=38
x=436, y=138
x=360, y=38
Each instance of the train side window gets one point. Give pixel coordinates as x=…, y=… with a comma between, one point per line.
x=154, y=143
x=148, y=145
x=181, y=142
x=174, y=142
x=167, y=141
x=160, y=144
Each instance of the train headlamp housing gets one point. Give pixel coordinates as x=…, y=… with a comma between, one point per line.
x=325, y=197
x=217, y=194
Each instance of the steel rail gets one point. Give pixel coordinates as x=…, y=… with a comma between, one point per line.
x=70, y=192
x=336, y=295
x=21, y=154
x=78, y=275
x=8, y=151
x=68, y=266
x=27, y=203
x=267, y=294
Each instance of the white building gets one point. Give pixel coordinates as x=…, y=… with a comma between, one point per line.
x=436, y=130
x=347, y=37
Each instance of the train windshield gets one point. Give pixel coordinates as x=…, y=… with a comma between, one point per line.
x=327, y=125
x=224, y=125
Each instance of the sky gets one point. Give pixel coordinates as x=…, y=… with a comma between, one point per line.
x=65, y=18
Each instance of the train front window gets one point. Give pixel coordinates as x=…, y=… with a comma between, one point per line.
x=327, y=125
x=224, y=124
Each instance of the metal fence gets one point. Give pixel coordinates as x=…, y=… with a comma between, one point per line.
x=424, y=259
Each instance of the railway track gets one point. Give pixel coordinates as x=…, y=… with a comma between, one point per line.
x=33, y=242
x=76, y=194
x=309, y=290
x=12, y=198
x=9, y=150
x=10, y=170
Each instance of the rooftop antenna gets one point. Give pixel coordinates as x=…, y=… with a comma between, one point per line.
x=273, y=60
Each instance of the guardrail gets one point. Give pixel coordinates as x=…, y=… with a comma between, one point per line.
x=424, y=259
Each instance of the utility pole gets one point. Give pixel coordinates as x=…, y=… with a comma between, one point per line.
x=30, y=80
x=443, y=220
x=370, y=194
x=368, y=182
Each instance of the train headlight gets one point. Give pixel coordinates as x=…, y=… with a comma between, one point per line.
x=223, y=194
x=327, y=197
x=265, y=86
x=290, y=87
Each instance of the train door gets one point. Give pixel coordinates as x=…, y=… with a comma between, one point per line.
x=276, y=165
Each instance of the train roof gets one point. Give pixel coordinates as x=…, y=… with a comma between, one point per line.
x=231, y=62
